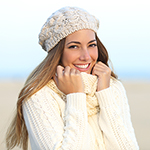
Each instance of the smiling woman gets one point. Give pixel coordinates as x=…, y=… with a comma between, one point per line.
x=84, y=107
x=80, y=51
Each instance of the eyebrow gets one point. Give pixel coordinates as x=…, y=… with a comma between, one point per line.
x=76, y=42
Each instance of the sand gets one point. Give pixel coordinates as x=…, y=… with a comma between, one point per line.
x=139, y=99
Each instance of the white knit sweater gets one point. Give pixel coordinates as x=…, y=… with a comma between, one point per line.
x=57, y=123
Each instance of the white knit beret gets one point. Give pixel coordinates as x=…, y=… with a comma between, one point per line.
x=64, y=22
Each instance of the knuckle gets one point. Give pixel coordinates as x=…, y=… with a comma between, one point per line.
x=67, y=67
x=99, y=62
x=59, y=67
x=78, y=73
x=72, y=70
x=65, y=73
x=107, y=71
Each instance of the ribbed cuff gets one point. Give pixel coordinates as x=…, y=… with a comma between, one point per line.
x=77, y=100
x=105, y=97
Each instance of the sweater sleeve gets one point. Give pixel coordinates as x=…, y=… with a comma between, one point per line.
x=115, y=119
x=47, y=130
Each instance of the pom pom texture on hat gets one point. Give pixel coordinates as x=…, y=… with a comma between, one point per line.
x=64, y=22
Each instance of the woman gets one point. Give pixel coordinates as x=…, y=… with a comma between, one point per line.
x=72, y=100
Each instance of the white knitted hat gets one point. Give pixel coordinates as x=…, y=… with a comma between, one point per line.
x=64, y=22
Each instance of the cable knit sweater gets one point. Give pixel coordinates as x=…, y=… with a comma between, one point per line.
x=80, y=121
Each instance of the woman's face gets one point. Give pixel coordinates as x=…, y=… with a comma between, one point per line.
x=80, y=51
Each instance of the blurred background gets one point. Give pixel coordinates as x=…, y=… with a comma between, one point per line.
x=124, y=30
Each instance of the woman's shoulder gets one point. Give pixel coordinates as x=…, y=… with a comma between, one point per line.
x=45, y=94
x=45, y=91
x=44, y=99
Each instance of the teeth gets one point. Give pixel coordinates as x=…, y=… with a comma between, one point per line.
x=82, y=66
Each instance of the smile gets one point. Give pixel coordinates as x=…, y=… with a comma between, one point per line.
x=82, y=67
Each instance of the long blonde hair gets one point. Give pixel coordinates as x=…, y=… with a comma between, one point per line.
x=17, y=134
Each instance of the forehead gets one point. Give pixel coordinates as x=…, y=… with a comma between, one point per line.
x=82, y=35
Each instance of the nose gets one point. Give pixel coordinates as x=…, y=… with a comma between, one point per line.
x=84, y=56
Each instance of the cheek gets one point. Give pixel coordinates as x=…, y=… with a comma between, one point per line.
x=68, y=57
x=94, y=54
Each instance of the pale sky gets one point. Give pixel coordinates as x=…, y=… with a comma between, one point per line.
x=124, y=30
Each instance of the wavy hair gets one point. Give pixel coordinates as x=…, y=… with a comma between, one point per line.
x=17, y=134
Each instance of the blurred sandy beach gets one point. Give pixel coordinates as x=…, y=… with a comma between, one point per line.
x=139, y=99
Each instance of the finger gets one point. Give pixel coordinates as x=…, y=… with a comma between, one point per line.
x=72, y=71
x=102, y=72
x=97, y=68
x=59, y=71
x=101, y=65
x=77, y=71
x=100, y=69
x=66, y=71
x=103, y=68
x=96, y=72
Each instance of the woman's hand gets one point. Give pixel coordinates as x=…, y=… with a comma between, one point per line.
x=68, y=80
x=104, y=73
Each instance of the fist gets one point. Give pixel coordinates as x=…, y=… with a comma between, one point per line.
x=68, y=80
x=103, y=72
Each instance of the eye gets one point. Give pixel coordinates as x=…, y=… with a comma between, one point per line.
x=93, y=45
x=73, y=47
